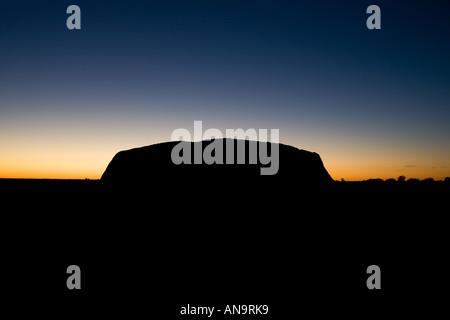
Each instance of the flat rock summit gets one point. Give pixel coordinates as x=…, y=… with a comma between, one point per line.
x=154, y=162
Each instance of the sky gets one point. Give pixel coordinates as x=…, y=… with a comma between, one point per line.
x=372, y=103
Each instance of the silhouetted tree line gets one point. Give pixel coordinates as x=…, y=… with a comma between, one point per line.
x=402, y=179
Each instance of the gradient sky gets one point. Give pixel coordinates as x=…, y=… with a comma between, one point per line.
x=372, y=103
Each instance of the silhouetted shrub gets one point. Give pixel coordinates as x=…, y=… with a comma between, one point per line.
x=401, y=179
x=428, y=180
x=390, y=180
x=413, y=180
x=447, y=179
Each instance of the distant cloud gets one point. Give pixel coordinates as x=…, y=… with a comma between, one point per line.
x=410, y=166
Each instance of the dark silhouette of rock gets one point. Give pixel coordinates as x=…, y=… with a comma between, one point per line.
x=154, y=162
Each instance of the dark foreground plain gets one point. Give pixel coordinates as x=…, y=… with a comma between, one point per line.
x=152, y=247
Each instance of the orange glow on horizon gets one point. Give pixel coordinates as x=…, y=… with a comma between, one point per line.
x=78, y=152
x=82, y=167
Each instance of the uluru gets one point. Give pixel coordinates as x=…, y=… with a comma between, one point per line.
x=155, y=162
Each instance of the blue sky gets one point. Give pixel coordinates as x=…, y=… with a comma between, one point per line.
x=372, y=103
